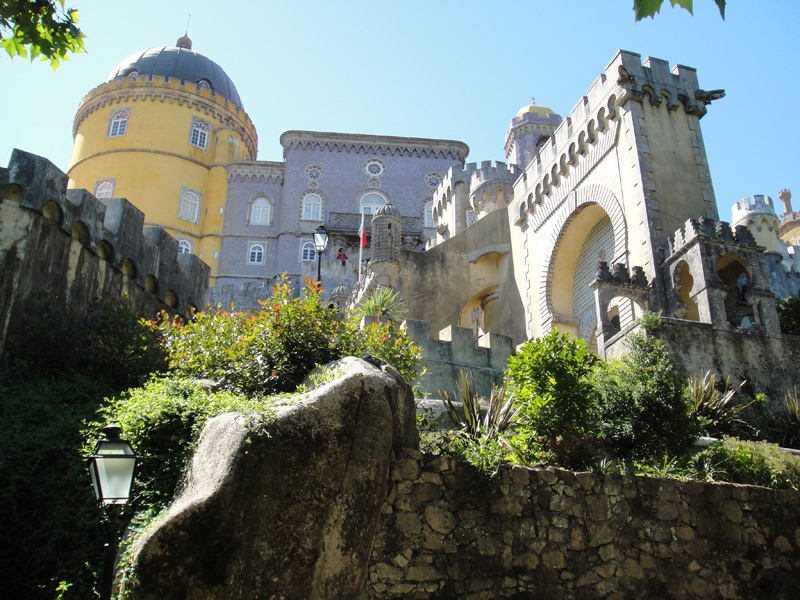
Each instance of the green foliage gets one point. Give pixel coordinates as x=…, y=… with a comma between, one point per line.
x=385, y=303
x=556, y=401
x=497, y=417
x=44, y=28
x=50, y=529
x=715, y=411
x=785, y=427
x=163, y=420
x=753, y=463
x=273, y=350
x=110, y=343
x=643, y=406
x=649, y=8
x=789, y=314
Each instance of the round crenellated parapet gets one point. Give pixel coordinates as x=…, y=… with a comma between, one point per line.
x=757, y=213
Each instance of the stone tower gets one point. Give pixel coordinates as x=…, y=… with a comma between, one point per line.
x=758, y=215
x=159, y=131
x=387, y=231
x=533, y=126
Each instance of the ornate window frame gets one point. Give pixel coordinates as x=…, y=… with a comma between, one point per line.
x=308, y=202
x=256, y=253
x=189, y=205
x=375, y=168
x=268, y=205
x=200, y=133
x=384, y=199
x=308, y=252
x=185, y=245
x=118, y=122
x=104, y=188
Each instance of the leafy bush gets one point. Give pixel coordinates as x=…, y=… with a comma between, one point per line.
x=273, y=350
x=753, y=463
x=715, y=412
x=163, y=420
x=556, y=400
x=643, y=408
x=785, y=427
x=110, y=343
x=789, y=314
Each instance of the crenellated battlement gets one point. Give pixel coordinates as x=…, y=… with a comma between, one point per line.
x=751, y=206
x=589, y=131
x=156, y=88
x=709, y=229
x=112, y=229
x=500, y=172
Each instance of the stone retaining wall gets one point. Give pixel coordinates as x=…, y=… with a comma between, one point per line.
x=447, y=532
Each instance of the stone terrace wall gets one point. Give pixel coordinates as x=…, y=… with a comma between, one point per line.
x=446, y=532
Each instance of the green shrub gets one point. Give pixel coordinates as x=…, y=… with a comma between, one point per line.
x=556, y=401
x=785, y=426
x=163, y=420
x=643, y=408
x=753, y=463
x=789, y=314
x=273, y=350
x=716, y=412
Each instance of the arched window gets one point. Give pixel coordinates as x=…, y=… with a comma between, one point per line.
x=261, y=211
x=200, y=133
x=312, y=208
x=118, y=123
x=104, y=189
x=309, y=253
x=427, y=213
x=256, y=254
x=371, y=202
x=184, y=247
x=189, y=207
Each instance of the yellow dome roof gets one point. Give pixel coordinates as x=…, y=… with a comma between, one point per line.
x=540, y=111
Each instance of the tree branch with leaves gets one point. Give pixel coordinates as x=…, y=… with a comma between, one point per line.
x=42, y=29
x=649, y=8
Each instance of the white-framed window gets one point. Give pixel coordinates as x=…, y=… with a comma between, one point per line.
x=184, y=246
x=201, y=131
x=261, y=210
x=104, y=188
x=370, y=202
x=308, y=252
x=427, y=214
x=312, y=208
x=189, y=206
x=432, y=180
x=204, y=83
x=314, y=172
x=255, y=254
x=118, y=122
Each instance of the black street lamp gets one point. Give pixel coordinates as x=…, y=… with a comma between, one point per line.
x=112, y=465
x=320, y=243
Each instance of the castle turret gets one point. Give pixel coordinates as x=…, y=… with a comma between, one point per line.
x=530, y=129
x=387, y=231
x=790, y=220
x=757, y=213
x=159, y=132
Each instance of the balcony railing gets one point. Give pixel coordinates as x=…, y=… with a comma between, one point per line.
x=348, y=223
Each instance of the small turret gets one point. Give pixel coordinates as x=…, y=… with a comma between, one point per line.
x=532, y=127
x=387, y=231
x=757, y=213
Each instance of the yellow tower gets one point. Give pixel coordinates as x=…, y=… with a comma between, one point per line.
x=159, y=132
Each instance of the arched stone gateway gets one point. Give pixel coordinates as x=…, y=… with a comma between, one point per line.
x=589, y=227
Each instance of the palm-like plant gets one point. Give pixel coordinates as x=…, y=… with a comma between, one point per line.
x=714, y=410
x=384, y=303
x=499, y=414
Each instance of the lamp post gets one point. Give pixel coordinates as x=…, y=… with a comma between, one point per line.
x=112, y=466
x=320, y=243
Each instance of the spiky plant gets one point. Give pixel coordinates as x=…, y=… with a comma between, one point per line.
x=787, y=425
x=499, y=415
x=716, y=411
x=384, y=303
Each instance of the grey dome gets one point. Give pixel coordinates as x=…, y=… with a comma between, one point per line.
x=340, y=290
x=387, y=210
x=180, y=63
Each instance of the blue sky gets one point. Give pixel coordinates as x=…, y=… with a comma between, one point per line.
x=438, y=69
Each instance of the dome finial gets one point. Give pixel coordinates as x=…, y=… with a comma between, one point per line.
x=184, y=41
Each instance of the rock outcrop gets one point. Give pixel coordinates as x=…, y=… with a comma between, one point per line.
x=290, y=511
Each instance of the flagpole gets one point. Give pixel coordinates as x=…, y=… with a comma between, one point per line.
x=360, y=245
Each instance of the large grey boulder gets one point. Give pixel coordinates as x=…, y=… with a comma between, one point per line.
x=290, y=511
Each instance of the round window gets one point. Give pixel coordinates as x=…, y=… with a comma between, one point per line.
x=374, y=168
x=313, y=172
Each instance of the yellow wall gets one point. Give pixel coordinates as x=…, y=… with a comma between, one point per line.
x=154, y=161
